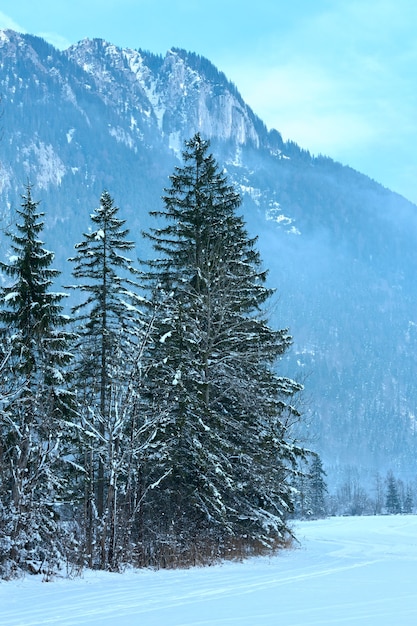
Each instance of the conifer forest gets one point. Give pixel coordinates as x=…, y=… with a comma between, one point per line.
x=143, y=417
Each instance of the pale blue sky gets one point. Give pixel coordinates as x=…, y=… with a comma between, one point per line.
x=339, y=77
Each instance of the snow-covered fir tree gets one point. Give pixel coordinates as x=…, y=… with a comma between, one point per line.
x=311, y=489
x=318, y=488
x=223, y=441
x=110, y=329
x=36, y=401
x=393, y=500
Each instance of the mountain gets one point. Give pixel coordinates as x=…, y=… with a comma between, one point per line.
x=341, y=249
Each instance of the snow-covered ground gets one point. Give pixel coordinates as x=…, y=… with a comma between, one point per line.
x=348, y=571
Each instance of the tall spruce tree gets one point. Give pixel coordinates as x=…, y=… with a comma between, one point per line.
x=109, y=327
x=37, y=403
x=223, y=443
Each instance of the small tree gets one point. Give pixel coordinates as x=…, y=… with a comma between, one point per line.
x=318, y=488
x=408, y=501
x=393, y=503
x=311, y=489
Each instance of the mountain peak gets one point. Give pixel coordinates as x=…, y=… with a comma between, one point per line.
x=181, y=80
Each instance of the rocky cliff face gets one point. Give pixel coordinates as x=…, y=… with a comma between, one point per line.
x=176, y=94
x=341, y=249
x=172, y=96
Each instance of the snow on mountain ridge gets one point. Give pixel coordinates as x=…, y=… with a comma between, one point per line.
x=147, y=80
x=43, y=160
x=179, y=98
x=3, y=35
x=217, y=115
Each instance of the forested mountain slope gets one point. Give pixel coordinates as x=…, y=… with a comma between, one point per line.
x=341, y=249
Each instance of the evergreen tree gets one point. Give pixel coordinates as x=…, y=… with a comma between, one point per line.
x=408, y=501
x=318, y=487
x=393, y=503
x=223, y=441
x=311, y=489
x=37, y=402
x=109, y=326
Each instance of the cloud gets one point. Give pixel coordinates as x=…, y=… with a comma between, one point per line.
x=56, y=40
x=339, y=82
x=307, y=105
x=8, y=22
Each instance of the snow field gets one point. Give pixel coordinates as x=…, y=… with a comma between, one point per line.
x=345, y=571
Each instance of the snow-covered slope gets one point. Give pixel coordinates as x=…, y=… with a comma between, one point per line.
x=352, y=571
